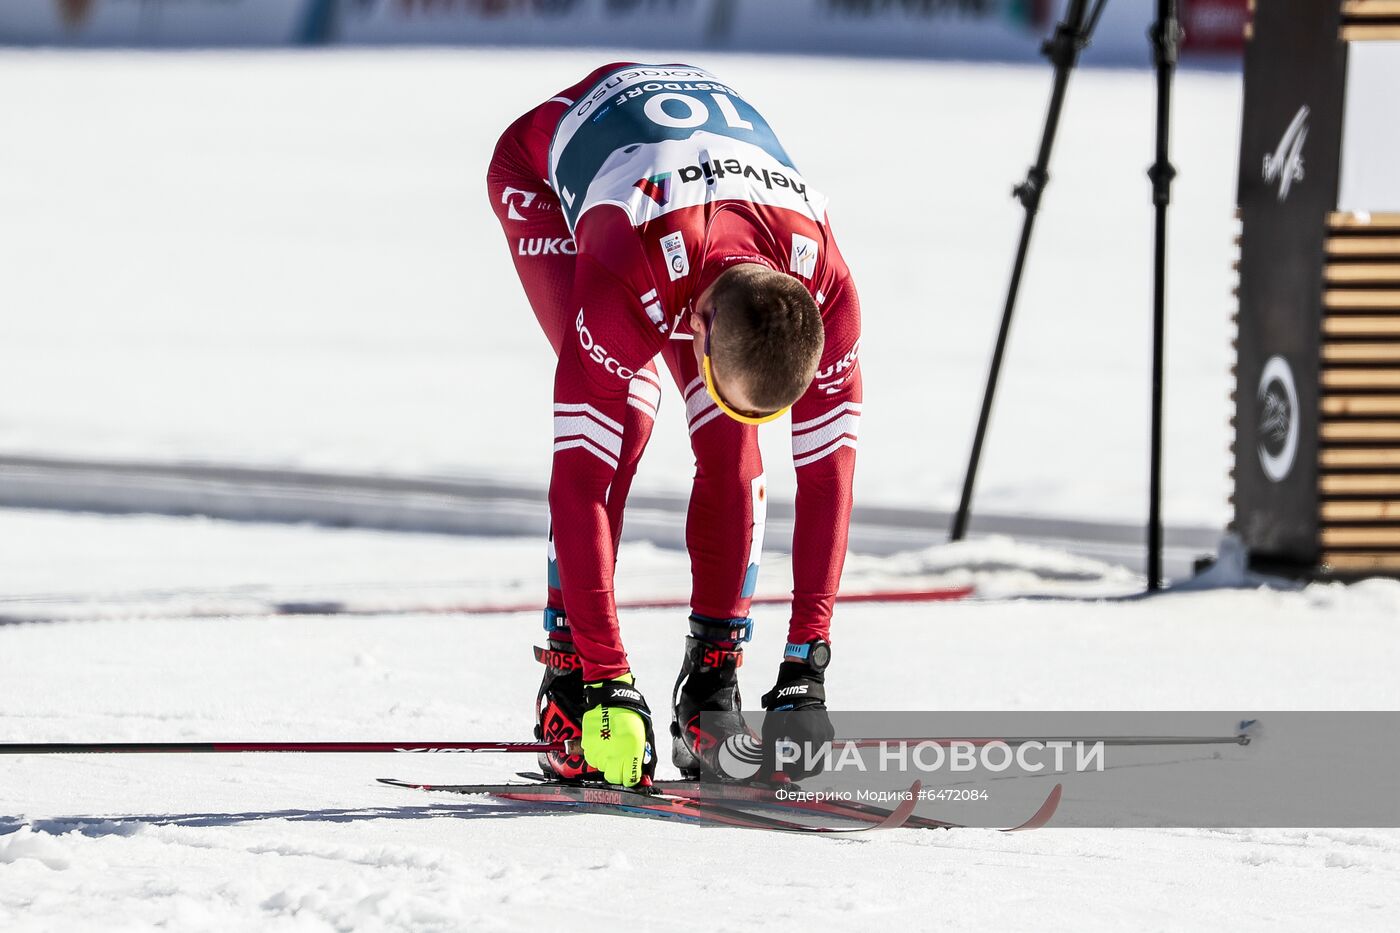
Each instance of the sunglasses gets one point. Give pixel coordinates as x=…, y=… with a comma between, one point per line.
x=713, y=390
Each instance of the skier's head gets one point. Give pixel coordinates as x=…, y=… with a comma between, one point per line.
x=758, y=338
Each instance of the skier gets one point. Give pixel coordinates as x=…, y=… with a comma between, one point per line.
x=650, y=211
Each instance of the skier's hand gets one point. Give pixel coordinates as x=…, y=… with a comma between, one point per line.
x=796, y=723
x=617, y=737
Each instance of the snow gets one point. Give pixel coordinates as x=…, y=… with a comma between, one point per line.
x=301, y=842
x=287, y=258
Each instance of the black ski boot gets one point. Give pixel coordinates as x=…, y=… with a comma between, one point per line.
x=559, y=705
x=723, y=746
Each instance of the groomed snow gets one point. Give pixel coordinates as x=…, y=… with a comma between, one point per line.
x=288, y=258
x=307, y=843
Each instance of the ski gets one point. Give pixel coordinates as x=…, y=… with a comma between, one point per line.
x=849, y=809
x=765, y=796
x=536, y=748
x=1042, y=816
x=748, y=795
x=659, y=804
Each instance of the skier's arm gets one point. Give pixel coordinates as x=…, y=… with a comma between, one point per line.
x=825, y=424
x=594, y=430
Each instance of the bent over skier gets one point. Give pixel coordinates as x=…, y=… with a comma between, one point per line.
x=650, y=211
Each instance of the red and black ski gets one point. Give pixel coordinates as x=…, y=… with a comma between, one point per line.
x=661, y=804
x=851, y=809
x=696, y=802
x=765, y=796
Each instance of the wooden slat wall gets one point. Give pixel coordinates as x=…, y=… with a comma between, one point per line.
x=1360, y=380
x=1365, y=20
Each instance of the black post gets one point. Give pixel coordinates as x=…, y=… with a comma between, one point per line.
x=1063, y=48
x=1166, y=35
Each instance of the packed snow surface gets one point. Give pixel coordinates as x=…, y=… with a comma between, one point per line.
x=300, y=842
x=288, y=258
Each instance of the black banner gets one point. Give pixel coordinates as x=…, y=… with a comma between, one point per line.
x=1295, y=67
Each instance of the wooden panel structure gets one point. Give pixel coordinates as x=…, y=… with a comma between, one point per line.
x=1346, y=273
x=1368, y=246
x=1361, y=326
x=1370, y=20
x=1361, y=353
x=1361, y=299
x=1316, y=400
x=1361, y=431
x=1359, y=451
x=1361, y=405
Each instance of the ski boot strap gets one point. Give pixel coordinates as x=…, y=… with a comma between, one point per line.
x=716, y=631
x=717, y=643
x=559, y=655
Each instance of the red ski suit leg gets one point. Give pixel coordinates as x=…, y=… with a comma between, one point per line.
x=544, y=255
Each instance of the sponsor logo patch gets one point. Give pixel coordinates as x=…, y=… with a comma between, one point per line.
x=803, y=260
x=546, y=246
x=525, y=199
x=715, y=169
x=597, y=353
x=656, y=187
x=673, y=249
x=833, y=377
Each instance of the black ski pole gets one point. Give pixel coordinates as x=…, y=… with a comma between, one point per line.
x=186, y=748
x=1063, y=48
x=1166, y=36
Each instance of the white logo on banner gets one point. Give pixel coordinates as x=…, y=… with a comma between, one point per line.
x=1285, y=164
x=1278, y=419
x=739, y=756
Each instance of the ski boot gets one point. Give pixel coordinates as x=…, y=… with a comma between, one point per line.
x=564, y=699
x=559, y=706
x=723, y=747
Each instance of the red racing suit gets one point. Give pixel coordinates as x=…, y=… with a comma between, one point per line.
x=622, y=199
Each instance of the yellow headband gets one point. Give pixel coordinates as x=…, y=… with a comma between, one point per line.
x=724, y=406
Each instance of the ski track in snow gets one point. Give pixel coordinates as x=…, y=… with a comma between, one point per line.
x=300, y=842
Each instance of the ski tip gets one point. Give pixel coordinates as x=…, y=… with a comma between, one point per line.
x=395, y=782
x=1042, y=816
x=900, y=814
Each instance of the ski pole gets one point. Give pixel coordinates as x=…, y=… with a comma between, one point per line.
x=1107, y=740
x=125, y=748
x=571, y=748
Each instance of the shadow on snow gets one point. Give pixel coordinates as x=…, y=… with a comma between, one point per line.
x=98, y=826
